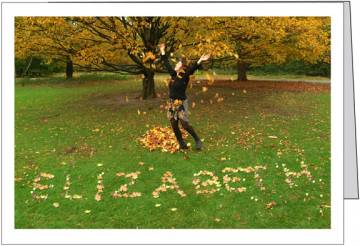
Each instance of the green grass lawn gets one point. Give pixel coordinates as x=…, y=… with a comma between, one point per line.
x=80, y=130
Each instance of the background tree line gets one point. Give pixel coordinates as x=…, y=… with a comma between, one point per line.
x=129, y=45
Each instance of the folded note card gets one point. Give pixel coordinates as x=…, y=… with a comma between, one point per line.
x=236, y=118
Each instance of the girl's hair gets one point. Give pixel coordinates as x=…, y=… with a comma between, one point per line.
x=184, y=61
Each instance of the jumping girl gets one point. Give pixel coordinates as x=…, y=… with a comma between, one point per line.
x=178, y=102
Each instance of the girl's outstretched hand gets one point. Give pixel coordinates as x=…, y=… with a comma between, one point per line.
x=204, y=58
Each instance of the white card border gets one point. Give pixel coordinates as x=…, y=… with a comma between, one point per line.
x=202, y=236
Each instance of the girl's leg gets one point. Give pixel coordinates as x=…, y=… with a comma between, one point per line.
x=190, y=129
x=177, y=132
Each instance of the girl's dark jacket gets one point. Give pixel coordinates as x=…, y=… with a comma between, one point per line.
x=178, y=84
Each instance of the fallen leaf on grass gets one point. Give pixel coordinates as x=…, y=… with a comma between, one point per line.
x=220, y=99
x=241, y=189
x=37, y=179
x=37, y=186
x=47, y=175
x=98, y=197
x=270, y=205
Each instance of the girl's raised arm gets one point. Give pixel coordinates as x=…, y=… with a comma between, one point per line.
x=165, y=59
x=193, y=68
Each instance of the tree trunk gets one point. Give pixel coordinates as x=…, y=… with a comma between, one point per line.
x=148, y=85
x=28, y=66
x=241, y=71
x=69, y=69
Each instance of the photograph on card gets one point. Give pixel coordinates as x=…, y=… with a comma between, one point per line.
x=172, y=122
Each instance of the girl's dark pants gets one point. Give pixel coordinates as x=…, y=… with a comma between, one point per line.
x=187, y=127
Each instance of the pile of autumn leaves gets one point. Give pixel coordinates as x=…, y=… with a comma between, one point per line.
x=161, y=138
